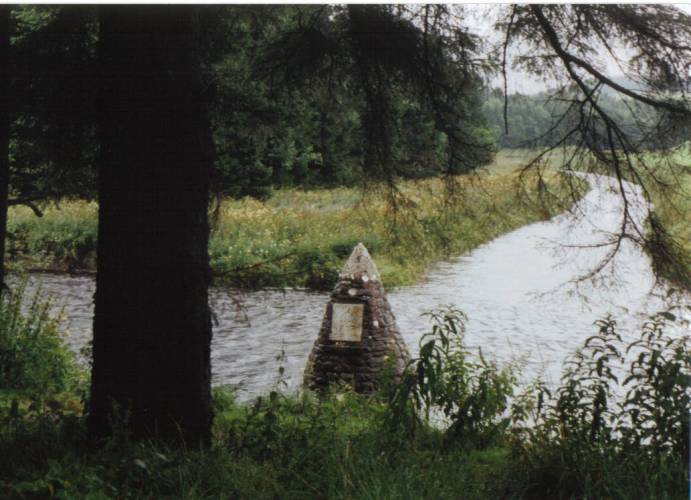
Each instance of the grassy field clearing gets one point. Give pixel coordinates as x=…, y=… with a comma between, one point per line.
x=300, y=238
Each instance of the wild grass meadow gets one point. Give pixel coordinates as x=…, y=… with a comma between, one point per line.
x=300, y=238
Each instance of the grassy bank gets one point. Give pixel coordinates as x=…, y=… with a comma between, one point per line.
x=500, y=441
x=671, y=251
x=300, y=238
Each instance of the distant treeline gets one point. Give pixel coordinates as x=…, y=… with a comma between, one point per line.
x=542, y=120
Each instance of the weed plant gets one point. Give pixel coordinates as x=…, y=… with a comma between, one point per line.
x=617, y=426
x=34, y=361
x=63, y=238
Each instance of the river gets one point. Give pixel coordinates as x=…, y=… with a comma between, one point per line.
x=521, y=293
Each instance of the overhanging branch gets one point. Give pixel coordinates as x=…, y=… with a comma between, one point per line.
x=569, y=58
x=27, y=202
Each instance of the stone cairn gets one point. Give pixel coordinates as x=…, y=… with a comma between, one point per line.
x=359, y=339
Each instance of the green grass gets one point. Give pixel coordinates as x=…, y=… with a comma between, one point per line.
x=330, y=449
x=335, y=449
x=671, y=251
x=301, y=238
x=64, y=238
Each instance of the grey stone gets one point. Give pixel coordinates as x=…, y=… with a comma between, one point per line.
x=359, y=339
x=360, y=266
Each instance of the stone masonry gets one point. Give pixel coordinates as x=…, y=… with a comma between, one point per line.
x=359, y=339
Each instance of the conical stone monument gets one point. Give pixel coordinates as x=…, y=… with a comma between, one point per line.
x=359, y=339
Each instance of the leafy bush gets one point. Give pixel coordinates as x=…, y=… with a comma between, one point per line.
x=344, y=246
x=471, y=393
x=320, y=268
x=619, y=418
x=617, y=424
x=34, y=361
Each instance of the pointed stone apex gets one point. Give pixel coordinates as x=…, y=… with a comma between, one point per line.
x=360, y=265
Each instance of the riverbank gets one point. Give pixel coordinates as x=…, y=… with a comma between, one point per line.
x=671, y=253
x=300, y=238
x=502, y=440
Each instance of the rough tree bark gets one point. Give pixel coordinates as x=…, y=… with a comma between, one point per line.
x=152, y=328
x=4, y=131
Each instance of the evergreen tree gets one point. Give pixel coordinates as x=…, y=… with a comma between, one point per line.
x=152, y=326
x=54, y=150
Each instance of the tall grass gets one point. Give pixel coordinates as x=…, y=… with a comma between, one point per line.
x=300, y=238
x=64, y=238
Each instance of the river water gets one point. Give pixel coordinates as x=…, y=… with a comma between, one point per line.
x=521, y=293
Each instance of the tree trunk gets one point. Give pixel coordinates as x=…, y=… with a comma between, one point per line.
x=5, y=68
x=152, y=328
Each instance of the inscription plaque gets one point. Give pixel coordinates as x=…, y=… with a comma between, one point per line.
x=346, y=322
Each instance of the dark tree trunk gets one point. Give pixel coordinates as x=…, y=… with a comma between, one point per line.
x=4, y=131
x=152, y=328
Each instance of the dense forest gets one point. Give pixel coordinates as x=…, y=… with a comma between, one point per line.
x=270, y=127
x=531, y=120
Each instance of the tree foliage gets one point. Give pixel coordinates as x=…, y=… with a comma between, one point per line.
x=402, y=64
x=267, y=129
x=327, y=94
x=53, y=148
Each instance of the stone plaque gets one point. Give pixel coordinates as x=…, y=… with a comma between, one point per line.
x=346, y=322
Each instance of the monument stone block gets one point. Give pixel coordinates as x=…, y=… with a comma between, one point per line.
x=359, y=337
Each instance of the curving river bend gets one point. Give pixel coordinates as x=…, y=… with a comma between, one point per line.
x=518, y=292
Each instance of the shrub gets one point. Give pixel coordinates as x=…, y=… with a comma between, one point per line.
x=320, y=268
x=343, y=246
x=471, y=393
x=618, y=423
x=34, y=360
